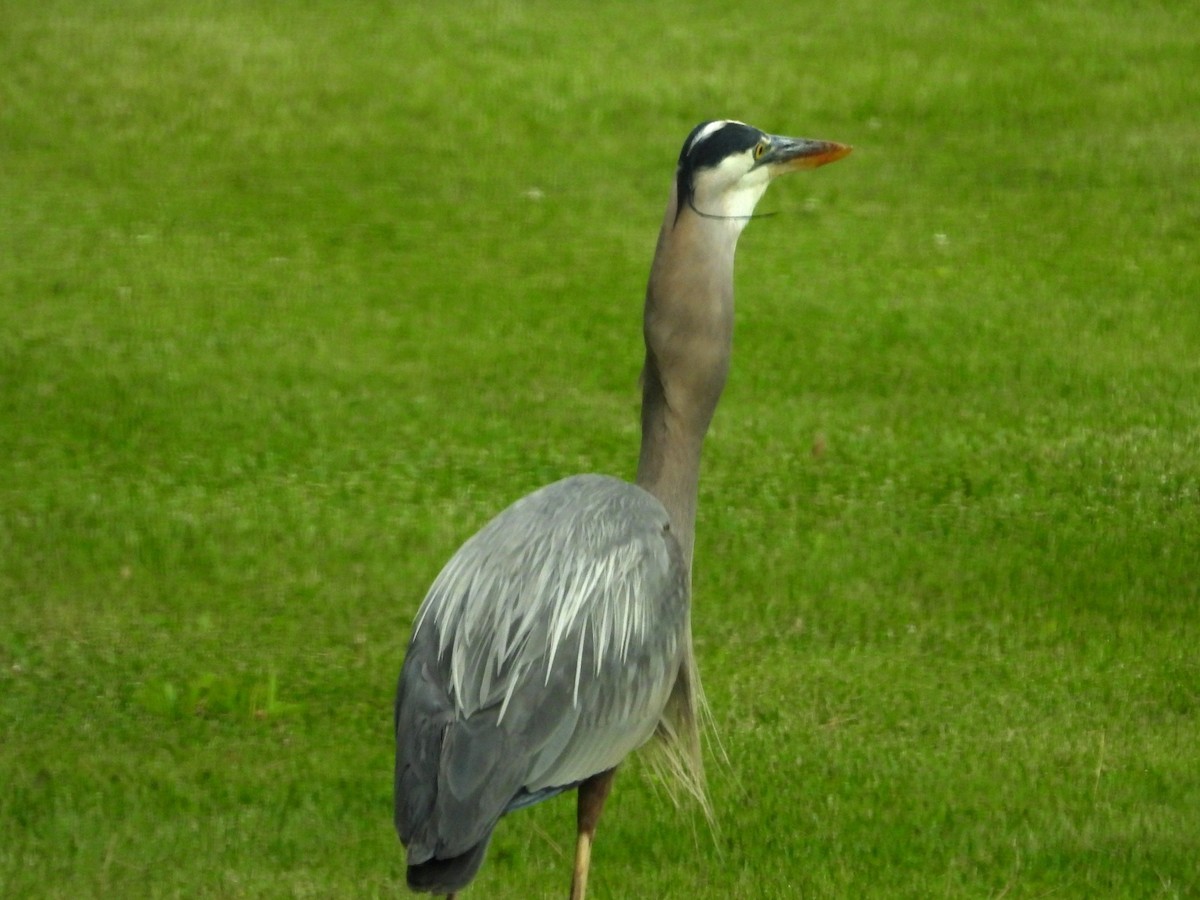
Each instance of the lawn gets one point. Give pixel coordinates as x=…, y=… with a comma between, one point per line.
x=293, y=297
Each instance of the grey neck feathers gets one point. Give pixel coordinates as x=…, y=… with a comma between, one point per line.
x=688, y=326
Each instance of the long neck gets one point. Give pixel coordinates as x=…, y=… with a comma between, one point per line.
x=688, y=328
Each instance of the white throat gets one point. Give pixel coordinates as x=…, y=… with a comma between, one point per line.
x=730, y=190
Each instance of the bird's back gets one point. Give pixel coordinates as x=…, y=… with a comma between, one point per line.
x=544, y=653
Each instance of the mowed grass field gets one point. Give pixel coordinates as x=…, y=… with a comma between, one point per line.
x=293, y=297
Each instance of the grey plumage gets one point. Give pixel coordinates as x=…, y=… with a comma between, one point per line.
x=557, y=640
x=550, y=641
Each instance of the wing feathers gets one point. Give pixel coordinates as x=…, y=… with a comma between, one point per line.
x=544, y=653
x=579, y=557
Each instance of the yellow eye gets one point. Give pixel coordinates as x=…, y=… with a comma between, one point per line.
x=760, y=149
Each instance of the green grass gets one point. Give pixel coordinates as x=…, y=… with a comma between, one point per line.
x=295, y=296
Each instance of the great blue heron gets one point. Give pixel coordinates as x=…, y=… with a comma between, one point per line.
x=558, y=638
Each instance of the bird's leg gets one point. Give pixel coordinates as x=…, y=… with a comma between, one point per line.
x=592, y=794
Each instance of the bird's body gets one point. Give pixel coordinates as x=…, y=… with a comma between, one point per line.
x=552, y=638
x=557, y=639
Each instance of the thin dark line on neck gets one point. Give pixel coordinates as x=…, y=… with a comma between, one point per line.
x=700, y=212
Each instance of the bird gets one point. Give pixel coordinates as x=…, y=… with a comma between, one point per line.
x=557, y=639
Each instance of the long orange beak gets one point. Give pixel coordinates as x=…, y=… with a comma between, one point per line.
x=789, y=154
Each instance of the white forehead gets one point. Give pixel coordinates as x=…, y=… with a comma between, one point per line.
x=710, y=128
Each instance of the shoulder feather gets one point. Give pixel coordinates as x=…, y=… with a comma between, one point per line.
x=587, y=560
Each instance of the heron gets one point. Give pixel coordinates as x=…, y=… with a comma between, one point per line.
x=557, y=639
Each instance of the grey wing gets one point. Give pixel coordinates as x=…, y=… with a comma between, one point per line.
x=544, y=653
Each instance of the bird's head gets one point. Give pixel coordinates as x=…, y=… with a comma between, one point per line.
x=725, y=166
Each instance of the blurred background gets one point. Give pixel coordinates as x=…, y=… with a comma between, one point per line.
x=294, y=297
